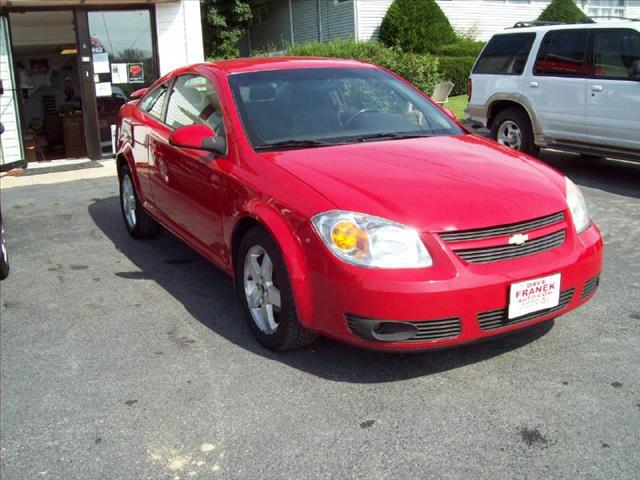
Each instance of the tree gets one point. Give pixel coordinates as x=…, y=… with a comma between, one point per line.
x=565, y=11
x=417, y=26
x=224, y=23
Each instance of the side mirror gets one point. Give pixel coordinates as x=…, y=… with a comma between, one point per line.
x=198, y=137
x=635, y=70
x=450, y=113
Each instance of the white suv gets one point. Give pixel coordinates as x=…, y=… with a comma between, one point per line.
x=568, y=87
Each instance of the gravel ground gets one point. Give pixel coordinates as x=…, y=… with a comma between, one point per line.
x=131, y=360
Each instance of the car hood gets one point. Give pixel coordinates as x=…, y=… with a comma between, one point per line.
x=437, y=183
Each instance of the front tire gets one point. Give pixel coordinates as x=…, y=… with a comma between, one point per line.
x=512, y=128
x=138, y=222
x=263, y=285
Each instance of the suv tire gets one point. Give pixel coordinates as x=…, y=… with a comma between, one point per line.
x=512, y=128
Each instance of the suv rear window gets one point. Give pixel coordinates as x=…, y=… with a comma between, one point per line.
x=562, y=53
x=505, y=54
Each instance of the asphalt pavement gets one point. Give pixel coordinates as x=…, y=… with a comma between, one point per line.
x=124, y=359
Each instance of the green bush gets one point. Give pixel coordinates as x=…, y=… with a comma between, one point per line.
x=457, y=70
x=461, y=48
x=562, y=11
x=420, y=70
x=417, y=26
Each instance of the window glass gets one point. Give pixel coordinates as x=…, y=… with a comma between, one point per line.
x=154, y=101
x=124, y=61
x=615, y=52
x=194, y=101
x=260, y=14
x=505, y=54
x=332, y=106
x=562, y=53
x=606, y=8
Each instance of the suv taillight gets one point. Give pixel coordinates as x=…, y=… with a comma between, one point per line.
x=469, y=89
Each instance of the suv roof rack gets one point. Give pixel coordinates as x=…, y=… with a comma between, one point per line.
x=587, y=19
x=535, y=23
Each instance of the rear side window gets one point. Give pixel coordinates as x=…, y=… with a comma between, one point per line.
x=562, y=54
x=615, y=51
x=154, y=101
x=505, y=54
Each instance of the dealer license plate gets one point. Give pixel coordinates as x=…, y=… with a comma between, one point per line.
x=534, y=295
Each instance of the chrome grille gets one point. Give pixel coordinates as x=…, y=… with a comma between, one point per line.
x=492, y=254
x=500, y=318
x=590, y=286
x=502, y=230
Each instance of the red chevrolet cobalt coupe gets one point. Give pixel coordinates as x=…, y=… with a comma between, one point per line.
x=345, y=203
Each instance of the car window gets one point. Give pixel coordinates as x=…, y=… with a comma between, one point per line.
x=615, y=51
x=194, y=101
x=333, y=105
x=153, y=102
x=562, y=53
x=505, y=54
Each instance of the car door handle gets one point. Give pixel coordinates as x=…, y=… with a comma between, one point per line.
x=533, y=84
x=596, y=88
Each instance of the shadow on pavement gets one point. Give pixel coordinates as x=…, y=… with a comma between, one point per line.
x=614, y=176
x=207, y=294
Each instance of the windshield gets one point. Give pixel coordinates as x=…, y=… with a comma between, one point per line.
x=299, y=108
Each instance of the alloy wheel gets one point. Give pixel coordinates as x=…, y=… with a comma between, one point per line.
x=128, y=201
x=3, y=244
x=262, y=294
x=510, y=135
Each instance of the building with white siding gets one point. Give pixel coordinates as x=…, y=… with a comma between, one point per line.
x=68, y=65
x=278, y=23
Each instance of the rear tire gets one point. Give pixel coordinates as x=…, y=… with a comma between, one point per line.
x=512, y=128
x=138, y=222
x=264, y=290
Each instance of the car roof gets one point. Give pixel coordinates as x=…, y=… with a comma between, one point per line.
x=257, y=64
x=573, y=26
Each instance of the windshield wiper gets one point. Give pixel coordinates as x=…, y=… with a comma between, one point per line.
x=292, y=144
x=387, y=136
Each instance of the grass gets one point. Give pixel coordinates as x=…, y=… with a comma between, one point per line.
x=457, y=104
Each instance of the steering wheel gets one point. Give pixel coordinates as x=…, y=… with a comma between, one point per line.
x=359, y=113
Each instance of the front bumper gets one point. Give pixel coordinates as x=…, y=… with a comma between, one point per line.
x=476, y=294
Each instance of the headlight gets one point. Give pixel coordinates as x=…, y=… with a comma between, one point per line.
x=371, y=241
x=577, y=206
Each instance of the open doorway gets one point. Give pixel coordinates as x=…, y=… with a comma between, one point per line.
x=48, y=84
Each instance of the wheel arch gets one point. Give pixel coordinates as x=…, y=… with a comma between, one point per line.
x=125, y=157
x=272, y=221
x=499, y=104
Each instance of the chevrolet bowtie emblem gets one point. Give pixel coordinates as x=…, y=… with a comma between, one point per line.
x=518, y=239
